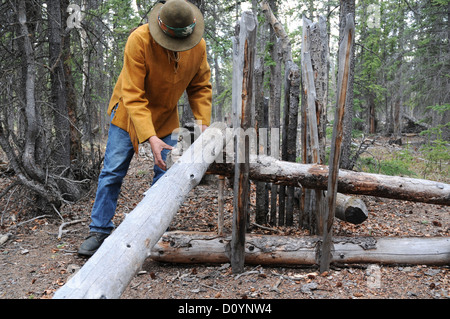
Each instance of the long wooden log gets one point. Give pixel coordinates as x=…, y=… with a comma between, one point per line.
x=267, y=169
x=108, y=272
x=198, y=247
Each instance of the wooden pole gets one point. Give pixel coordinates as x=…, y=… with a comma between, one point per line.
x=292, y=87
x=220, y=203
x=307, y=203
x=243, y=65
x=108, y=272
x=345, y=50
x=201, y=247
x=271, y=170
x=313, y=133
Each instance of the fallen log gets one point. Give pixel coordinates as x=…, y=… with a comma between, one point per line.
x=199, y=247
x=350, y=209
x=108, y=272
x=267, y=169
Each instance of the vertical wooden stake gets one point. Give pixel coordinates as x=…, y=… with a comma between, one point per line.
x=243, y=64
x=313, y=133
x=345, y=50
x=220, y=203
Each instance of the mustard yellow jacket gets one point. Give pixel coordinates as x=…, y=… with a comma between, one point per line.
x=151, y=83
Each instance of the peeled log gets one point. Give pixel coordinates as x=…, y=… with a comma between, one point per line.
x=108, y=272
x=267, y=169
x=198, y=247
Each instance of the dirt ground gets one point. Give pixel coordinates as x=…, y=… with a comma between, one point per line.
x=34, y=263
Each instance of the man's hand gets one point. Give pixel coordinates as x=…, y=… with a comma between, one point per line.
x=204, y=127
x=157, y=146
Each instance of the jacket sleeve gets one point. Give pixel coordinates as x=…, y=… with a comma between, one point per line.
x=133, y=89
x=200, y=92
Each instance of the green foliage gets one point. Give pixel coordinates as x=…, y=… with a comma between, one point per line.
x=436, y=150
x=441, y=2
x=400, y=165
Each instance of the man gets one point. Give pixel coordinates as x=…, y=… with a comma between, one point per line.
x=162, y=59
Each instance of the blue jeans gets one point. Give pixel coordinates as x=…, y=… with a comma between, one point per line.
x=118, y=155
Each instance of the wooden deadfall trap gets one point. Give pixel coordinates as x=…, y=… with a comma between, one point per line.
x=142, y=233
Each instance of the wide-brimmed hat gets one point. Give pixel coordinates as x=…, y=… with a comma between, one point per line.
x=176, y=25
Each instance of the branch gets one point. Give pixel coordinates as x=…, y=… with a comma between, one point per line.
x=279, y=30
x=410, y=8
x=60, y=232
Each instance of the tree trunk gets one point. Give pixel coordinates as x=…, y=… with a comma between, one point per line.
x=274, y=109
x=61, y=150
x=218, y=107
x=31, y=113
x=61, y=154
x=108, y=272
x=196, y=247
x=262, y=195
x=347, y=6
x=268, y=169
x=27, y=162
x=75, y=136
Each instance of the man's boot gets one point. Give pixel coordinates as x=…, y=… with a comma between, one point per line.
x=92, y=243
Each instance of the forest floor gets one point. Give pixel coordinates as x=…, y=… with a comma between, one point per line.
x=34, y=263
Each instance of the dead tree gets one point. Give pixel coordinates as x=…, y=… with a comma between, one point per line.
x=243, y=65
x=345, y=50
x=314, y=96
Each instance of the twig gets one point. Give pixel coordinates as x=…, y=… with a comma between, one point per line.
x=32, y=219
x=251, y=272
x=68, y=224
x=266, y=228
x=7, y=202
x=7, y=189
x=211, y=287
x=59, y=214
x=275, y=287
